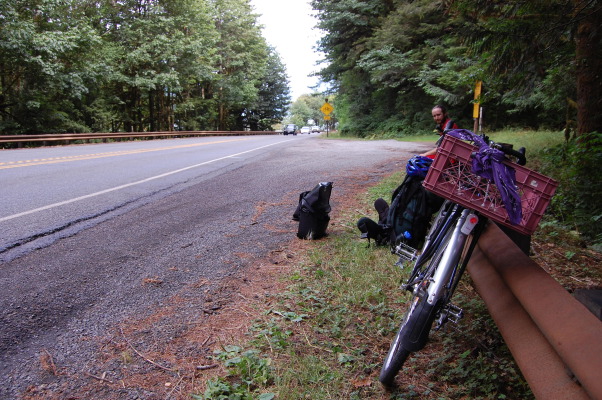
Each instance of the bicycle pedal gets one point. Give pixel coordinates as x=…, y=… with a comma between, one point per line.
x=408, y=287
x=451, y=313
x=454, y=313
x=406, y=253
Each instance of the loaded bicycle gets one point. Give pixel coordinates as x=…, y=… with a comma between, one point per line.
x=478, y=184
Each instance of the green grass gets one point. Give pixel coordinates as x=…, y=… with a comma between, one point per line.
x=533, y=141
x=430, y=137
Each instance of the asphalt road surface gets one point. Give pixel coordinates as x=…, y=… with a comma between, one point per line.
x=82, y=226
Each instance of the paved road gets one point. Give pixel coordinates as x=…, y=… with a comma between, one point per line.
x=83, y=226
x=54, y=192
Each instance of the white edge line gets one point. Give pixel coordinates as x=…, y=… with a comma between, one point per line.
x=62, y=203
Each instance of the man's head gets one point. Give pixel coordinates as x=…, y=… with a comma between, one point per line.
x=439, y=114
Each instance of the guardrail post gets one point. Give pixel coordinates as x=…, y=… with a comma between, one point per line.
x=545, y=328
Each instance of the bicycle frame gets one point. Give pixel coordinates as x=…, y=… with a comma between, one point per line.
x=459, y=222
x=449, y=260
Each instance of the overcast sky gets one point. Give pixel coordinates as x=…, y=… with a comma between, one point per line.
x=289, y=27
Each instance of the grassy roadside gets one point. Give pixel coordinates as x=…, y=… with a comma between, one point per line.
x=326, y=335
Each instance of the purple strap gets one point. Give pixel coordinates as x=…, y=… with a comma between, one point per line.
x=487, y=162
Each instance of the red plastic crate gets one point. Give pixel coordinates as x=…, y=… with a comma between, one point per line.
x=451, y=176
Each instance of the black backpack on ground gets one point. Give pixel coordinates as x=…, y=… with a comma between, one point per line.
x=408, y=217
x=312, y=212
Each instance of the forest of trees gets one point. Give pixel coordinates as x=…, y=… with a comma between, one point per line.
x=390, y=61
x=151, y=65
x=136, y=65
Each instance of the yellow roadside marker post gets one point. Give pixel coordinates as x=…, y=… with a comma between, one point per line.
x=477, y=112
x=326, y=110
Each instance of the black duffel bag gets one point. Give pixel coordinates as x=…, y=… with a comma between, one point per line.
x=312, y=212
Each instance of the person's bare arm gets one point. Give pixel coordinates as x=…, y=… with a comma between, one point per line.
x=430, y=152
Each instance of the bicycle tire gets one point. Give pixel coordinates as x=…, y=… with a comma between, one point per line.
x=397, y=355
x=414, y=330
x=417, y=318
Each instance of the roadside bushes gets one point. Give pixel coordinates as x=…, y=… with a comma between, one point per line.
x=576, y=164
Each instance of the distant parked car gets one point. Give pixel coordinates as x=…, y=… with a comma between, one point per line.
x=315, y=129
x=290, y=129
x=306, y=129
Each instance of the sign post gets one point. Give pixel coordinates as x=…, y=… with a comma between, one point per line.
x=476, y=110
x=326, y=110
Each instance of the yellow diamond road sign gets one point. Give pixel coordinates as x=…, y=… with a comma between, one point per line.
x=326, y=108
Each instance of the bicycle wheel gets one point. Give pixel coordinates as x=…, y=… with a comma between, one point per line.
x=397, y=355
x=414, y=330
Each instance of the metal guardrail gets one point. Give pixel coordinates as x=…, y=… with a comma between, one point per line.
x=555, y=340
x=69, y=137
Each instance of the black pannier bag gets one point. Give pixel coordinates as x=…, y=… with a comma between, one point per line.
x=312, y=212
x=408, y=217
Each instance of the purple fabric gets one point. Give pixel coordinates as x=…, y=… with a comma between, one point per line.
x=487, y=163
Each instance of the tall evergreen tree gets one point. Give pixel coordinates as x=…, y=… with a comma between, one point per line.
x=78, y=65
x=273, y=97
x=391, y=60
x=241, y=60
x=387, y=61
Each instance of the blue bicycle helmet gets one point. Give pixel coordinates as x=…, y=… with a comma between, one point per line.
x=418, y=166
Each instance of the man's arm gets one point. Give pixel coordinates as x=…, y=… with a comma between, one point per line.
x=430, y=152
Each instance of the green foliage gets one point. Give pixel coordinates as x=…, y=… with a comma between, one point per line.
x=249, y=372
x=44, y=71
x=390, y=62
x=241, y=60
x=307, y=107
x=476, y=362
x=577, y=200
x=136, y=65
x=271, y=331
x=397, y=67
x=273, y=97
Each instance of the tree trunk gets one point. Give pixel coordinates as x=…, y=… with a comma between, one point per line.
x=169, y=110
x=588, y=60
x=128, y=113
x=221, y=117
x=151, y=110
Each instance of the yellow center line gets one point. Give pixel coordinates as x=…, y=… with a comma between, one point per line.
x=81, y=157
x=130, y=184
